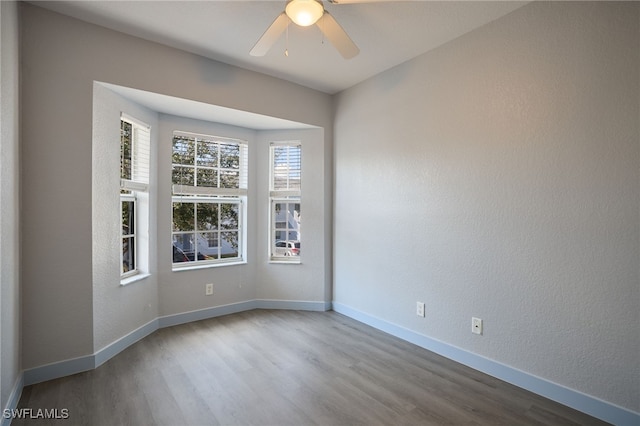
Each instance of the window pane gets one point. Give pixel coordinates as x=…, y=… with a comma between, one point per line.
x=229, y=156
x=208, y=178
x=208, y=243
x=207, y=216
x=207, y=153
x=183, y=217
x=128, y=220
x=208, y=163
x=183, y=150
x=184, y=244
x=229, y=179
x=286, y=232
x=287, y=215
x=125, y=150
x=128, y=254
x=178, y=254
x=182, y=175
x=284, y=246
x=229, y=244
x=280, y=218
x=229, y=217
x=211, y=239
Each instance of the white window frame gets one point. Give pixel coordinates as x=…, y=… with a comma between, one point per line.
x=185, y=193
x=131, y=189
x=130, y=197
x=291, y=194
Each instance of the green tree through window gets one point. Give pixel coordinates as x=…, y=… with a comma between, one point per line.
x=209, y=177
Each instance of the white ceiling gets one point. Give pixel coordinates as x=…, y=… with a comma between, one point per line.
x=205, y=112
x=387, y=32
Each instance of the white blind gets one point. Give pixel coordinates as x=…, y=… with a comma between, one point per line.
x=209, y=165
x=140, y=156
x=286, y=168
x=244, y=167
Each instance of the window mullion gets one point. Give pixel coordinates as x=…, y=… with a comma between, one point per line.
x=195, y=162
x=288, y=167
x=196, y=247
x=219, y=230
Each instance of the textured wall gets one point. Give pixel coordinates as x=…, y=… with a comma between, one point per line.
x=117, y=310
x=294, y=282
x=183, y=291
x=62, y=57
x=497, y=176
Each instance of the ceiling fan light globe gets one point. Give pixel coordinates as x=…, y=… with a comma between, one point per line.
x=304, y=12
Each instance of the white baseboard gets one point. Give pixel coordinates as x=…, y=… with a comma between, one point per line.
x=114, y=348
x=77, y=365
x=296, y=305
x=590, y=405
x=14, y=398
x=572, y=398
x=216, y=311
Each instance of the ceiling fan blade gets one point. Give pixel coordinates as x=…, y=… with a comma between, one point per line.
x=337, y=36
x=270, y=36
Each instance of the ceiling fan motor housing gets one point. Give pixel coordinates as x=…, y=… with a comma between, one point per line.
x=304, y=12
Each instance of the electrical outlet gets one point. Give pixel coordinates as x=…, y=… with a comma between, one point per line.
x=476, y=325
x=420, y=309
x=208, y=289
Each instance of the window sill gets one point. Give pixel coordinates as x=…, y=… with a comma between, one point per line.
x=285, y=262
x=207, y=266
x=133, y=279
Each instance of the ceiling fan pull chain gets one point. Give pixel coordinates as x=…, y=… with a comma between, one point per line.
x=330, y=29
x=286, y=47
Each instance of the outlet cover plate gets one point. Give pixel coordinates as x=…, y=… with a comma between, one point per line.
x=476, y=325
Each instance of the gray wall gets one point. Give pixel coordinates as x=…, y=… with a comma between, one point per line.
x=118, y=310
x=183, y=291
x=297, y=282
x=9, y=203
x=69, y=306
x=497, y=177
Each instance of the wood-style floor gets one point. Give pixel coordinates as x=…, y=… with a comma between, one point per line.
x=267, y=367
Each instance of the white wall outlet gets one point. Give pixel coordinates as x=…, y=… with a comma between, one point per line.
x=208, y=289
x=476, y=325
x=420, y=309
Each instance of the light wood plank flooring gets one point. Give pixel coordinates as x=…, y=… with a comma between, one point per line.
x=270, y=367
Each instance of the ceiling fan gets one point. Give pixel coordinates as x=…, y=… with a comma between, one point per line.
x=306, y=13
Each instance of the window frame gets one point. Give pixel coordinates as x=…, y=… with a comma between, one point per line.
x=219, y=231
x=129, y=198
x=289, y=195
x=132, y=186
x=182, y=192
